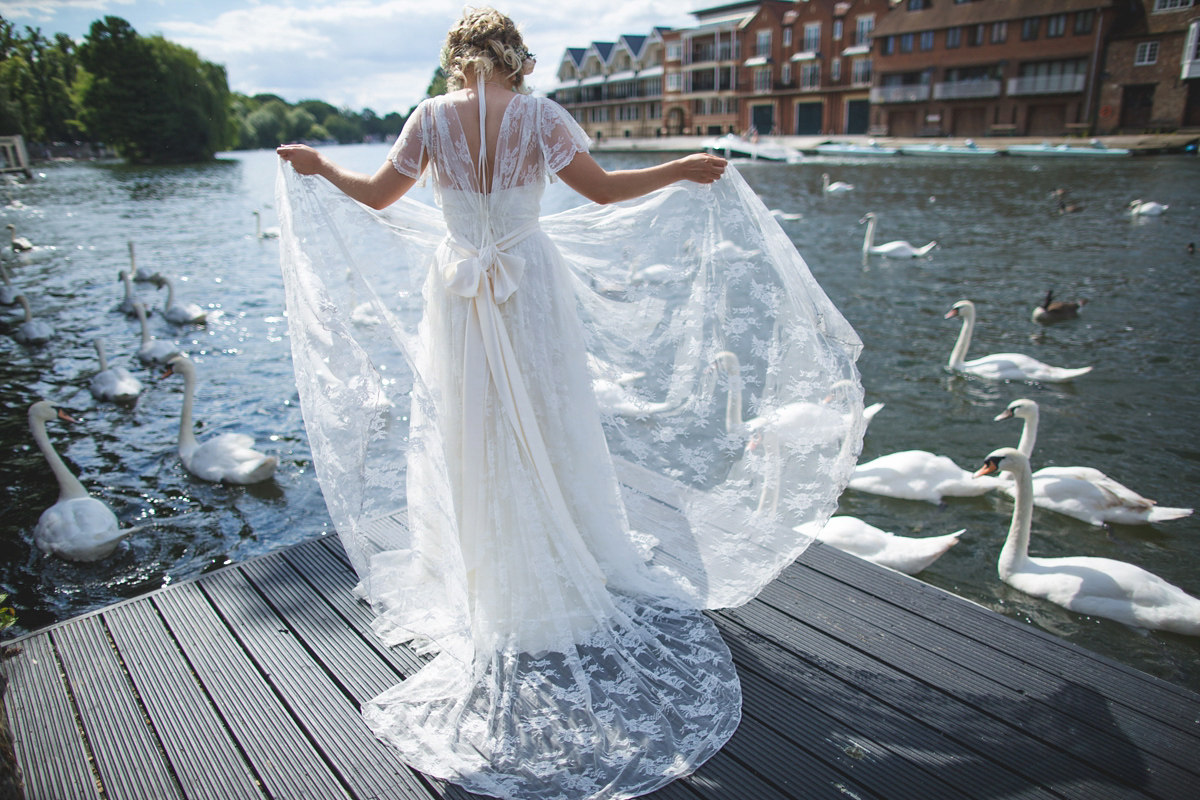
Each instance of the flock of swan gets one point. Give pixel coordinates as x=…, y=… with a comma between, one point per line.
x=79, y=527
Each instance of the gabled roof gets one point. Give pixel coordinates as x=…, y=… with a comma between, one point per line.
x=635, y=43
x=576, y=54
x=603, y=49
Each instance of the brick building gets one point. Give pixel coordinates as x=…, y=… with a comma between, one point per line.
x=615, y=88
x=1152, y=69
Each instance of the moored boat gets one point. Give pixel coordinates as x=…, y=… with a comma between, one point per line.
x=871, y=148
x=967, y=148
x=1093, y=148
x=733, y=146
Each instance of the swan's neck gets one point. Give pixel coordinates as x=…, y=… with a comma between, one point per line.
x=170, y=293
x=100, y=352
x=258, y=227
x=28, y=310
x=1029, y=435
x=959, y=354
x=132, y=260
x=869, y=239
x=733, y=407
x=69, y=487
x=4, y=274
x=128, y=286
x=187, y=439
x=141, y=312
x=1016, y=548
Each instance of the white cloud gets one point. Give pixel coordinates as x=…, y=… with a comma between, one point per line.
x=45, y=11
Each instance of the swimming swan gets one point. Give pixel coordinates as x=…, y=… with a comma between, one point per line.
x=113, y=384
x=1100, y=587
x=1000, y=366
x=19, y=243
x=153, y=351
x=837, y=187
x=78, y=527
x=918, y=475
x=896, y=249
x=264, y=233
x=1082, y=492
x=1146, y=209
x=228, y=457
x=140, y=274
x=8, y=295
x=181, y=313
x=31, y=331
x=904, y=554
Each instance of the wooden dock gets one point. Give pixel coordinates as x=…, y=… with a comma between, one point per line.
x=859, y=683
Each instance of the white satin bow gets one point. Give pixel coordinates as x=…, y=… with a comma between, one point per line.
x=466, y=277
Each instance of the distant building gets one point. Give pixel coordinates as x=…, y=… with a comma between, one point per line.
x=1152, y=70
x=614, y=88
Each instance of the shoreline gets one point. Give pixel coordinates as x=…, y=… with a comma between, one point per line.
x=1140, y=144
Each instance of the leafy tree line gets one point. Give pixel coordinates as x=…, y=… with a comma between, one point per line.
x=152, y=100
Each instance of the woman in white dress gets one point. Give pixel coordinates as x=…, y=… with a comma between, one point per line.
x=442, y=362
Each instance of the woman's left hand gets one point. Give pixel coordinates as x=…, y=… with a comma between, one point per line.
x=702, y=167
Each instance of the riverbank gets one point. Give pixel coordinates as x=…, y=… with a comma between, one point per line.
x=1140, y=144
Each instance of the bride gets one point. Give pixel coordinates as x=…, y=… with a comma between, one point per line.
x=466, y=463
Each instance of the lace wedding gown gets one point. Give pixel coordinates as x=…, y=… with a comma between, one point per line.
x=457, y=372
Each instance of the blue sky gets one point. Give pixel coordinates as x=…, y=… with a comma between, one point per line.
x=377, y=54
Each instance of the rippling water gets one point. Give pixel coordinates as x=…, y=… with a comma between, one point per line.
x=1002, y=246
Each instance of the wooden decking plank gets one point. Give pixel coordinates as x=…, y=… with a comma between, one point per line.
x=48, y=745
x=723, y=777
x=334, y=579
x=1008, y=669
x=362, y=673
x=330, y=719
x=205, y=760
x=1066, y=659
x=820, y=645
x=286, y=762
x=949, y=758
x=128, y=756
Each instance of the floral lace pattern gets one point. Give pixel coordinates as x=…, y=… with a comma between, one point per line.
x=573, y=660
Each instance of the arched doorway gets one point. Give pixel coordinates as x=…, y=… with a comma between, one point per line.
x=675, y=121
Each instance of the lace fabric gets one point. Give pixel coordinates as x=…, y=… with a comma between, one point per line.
x=467, y=378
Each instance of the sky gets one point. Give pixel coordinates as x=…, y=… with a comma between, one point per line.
x=377, y=54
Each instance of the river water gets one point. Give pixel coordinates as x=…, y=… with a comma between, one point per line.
x=1002, y=245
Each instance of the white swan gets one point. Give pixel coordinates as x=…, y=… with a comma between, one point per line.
x=1149, y=208
x=179, y=313
x=78, y=527
x=153, y=351
x=31, y=331
x=918, y=475
x=19, y=243
x=229, y=457
x=786, y=216
x=1100, y=587
x=140, y=274
x=264, y=233
x=655, y=273
x=8, y=295
x=1082, y=492
x=837, y=187
x=1051, y=310
x=896, y=249
x=113, y=384
x=126, y=306
x=612, y=396
x=1000, y=366
x=904, y=554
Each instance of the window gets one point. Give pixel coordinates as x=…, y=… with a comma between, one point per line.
x=999, y=32
x=860, y=72
x=1029, y=29
x=835, y=70
x=785, y=73
x=674, y=82
x=862, y=28
x=1147, y=54
x=762, y=43
x=762, y=79
x=1084, y=21
x=787, y=37
x=975, y=35
x=918, y=5
x=889, y=45
x=627, y=113
x=810, y=76
x=600, y=114
x=1171, y=5
x=926, y=42
x=906, y=42
x=953, y=38
x=812, y=37
x=1056, y=25
x=674, y=51
x=837, y=30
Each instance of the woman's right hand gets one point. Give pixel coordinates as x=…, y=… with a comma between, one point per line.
x=702, y=167
x=303, y=158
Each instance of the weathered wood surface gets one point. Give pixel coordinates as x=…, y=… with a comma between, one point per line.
x=858, y=682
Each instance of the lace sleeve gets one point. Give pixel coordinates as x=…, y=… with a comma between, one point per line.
x=560, y=135
x=408, y=153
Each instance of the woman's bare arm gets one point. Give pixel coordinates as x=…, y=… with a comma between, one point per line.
x=380, y=190
x=588, y=178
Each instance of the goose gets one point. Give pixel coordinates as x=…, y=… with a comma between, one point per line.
x=1082, y=492
x=8, y=295
x=918, y=475
x=1051, y=310
x=78, y=527
x=31, y=331
x=1068, y=208
x=1000, y=366
x=837, y=187
x=228, y=457
x=140, y=274
x=114, y=384
x=19, y=243
x=902, y=553
x=264, y=233
x=896, y=249
x=126, y=305
x=153, y=351
x=1099, y=587
x=1149, y=208
x=181, y=313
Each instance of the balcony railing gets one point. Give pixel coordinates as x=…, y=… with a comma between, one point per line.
x=910, y=93
x=957, y=90
x=1046, y=84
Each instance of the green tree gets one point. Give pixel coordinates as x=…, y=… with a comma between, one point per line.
x=342, y=129
x=269, y=124
x=151, y=99
x=437, y=85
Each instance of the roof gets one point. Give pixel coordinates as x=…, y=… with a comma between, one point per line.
x=634, y=43
x=948, y=14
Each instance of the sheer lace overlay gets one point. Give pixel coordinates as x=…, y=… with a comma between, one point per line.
x=467, y=378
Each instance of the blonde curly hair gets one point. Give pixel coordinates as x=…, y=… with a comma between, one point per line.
x=487, y=42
